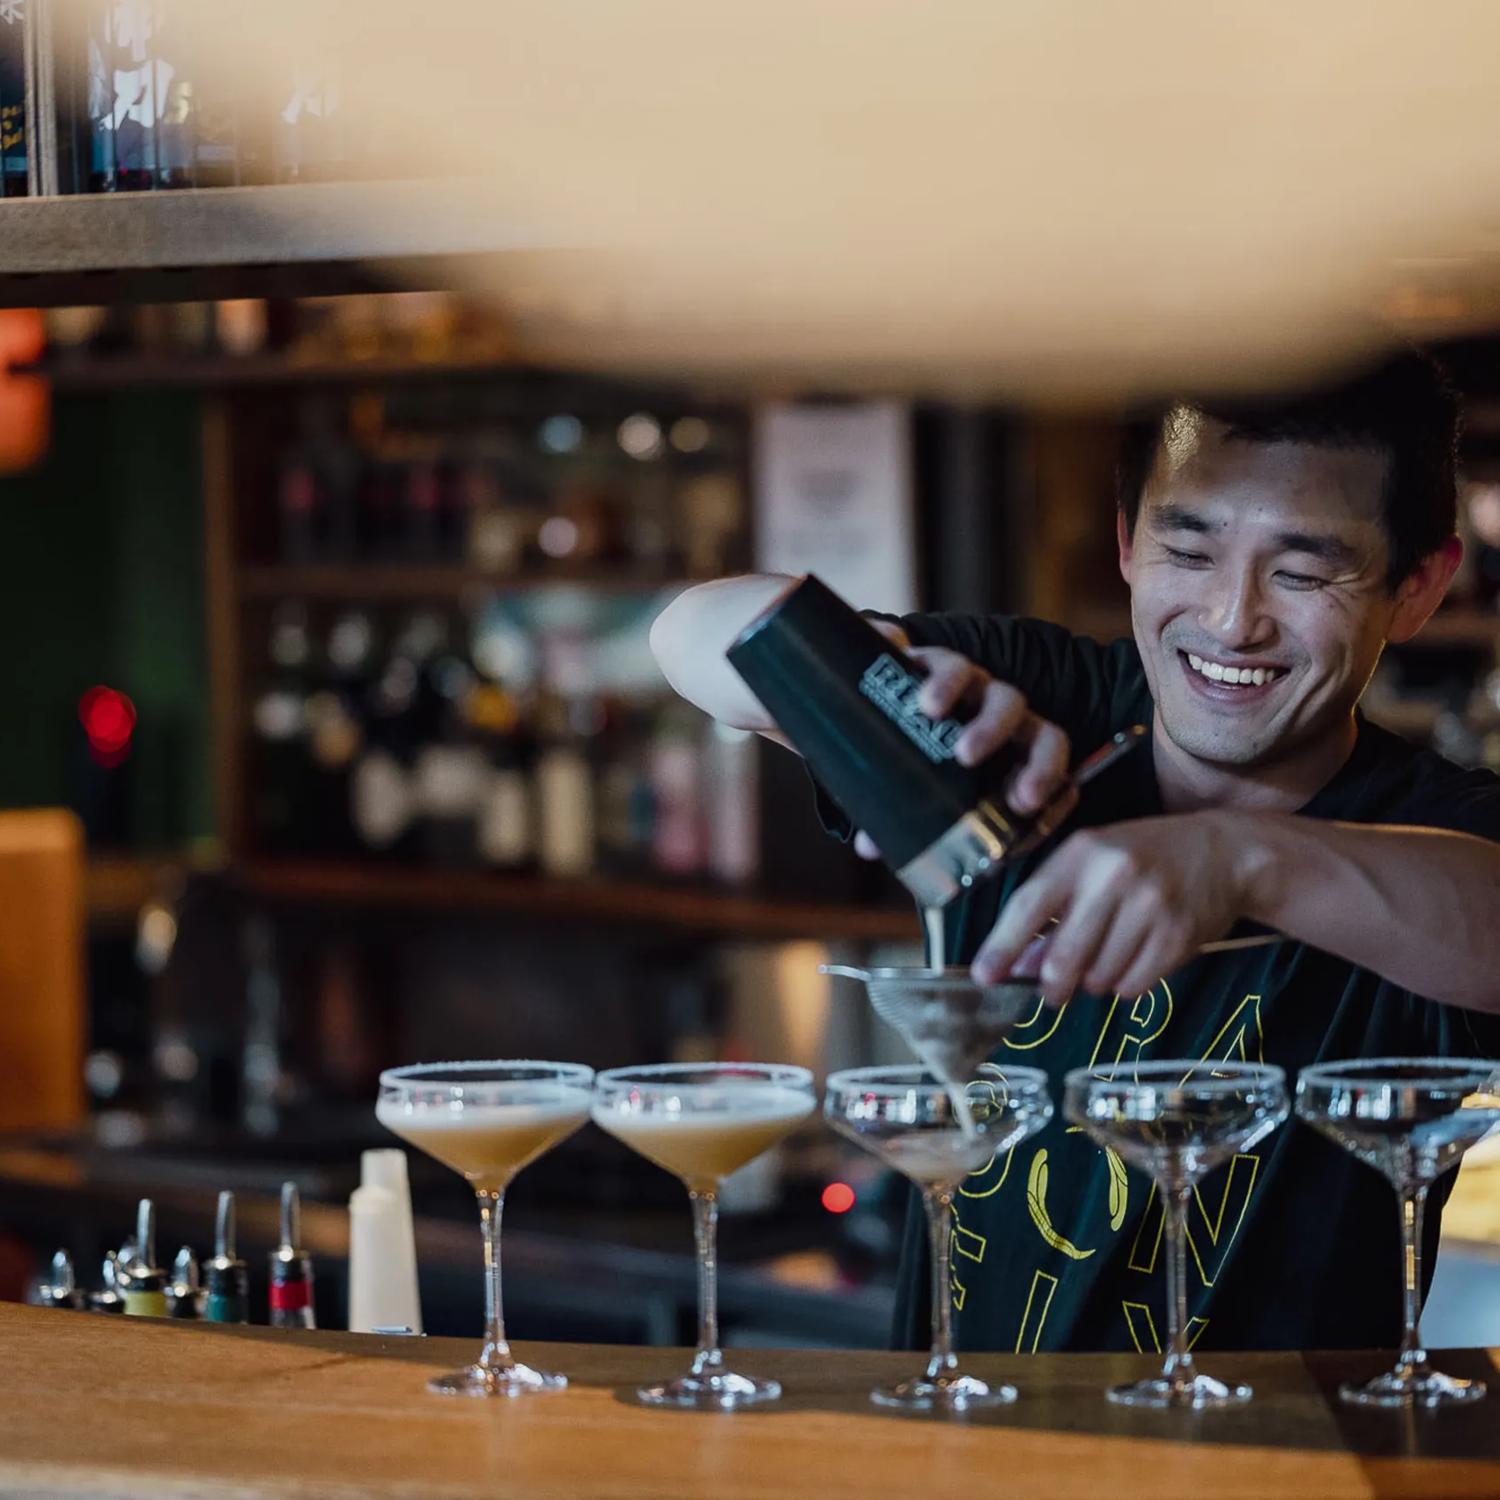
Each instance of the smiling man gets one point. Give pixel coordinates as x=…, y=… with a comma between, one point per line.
x=1272, y=551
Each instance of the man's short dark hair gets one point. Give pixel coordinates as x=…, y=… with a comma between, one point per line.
x=1404, y=407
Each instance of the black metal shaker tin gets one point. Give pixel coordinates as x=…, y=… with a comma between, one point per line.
x=846, y=697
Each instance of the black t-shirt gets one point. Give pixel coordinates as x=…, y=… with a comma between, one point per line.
x=1294, y=1244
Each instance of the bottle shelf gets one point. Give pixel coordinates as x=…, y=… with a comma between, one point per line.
x=1456, y=627
x=116, y=885
x=379, y=582
x=303, y=239
x=84, y=373
x=584, y=900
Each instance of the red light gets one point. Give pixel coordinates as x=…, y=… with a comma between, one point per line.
x=108, y=719
x=838, y=1197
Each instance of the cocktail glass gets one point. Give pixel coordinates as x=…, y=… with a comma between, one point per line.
x=701, y=1123
x=909, y=1118
x=1177, y=1121
x=1410, y=1118
x=487, y=1120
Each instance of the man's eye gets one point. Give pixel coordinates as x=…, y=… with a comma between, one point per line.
x=1302, y=580
x=1189, y=559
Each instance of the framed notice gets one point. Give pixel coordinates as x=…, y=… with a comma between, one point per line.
x=833, y=496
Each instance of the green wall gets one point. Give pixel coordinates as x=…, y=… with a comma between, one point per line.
x=101, y=580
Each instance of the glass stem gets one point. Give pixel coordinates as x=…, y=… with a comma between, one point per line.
x=939, y=1205
x=1178, y=1367
x=705, y=1203
x=496, y=1352
x=1413, y=1357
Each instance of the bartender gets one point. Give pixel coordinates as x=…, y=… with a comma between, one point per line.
x=1272, y=550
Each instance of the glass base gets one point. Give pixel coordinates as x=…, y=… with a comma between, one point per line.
x=504, y=1380
x=1198, y=1393
x=944, y=1393
x=1413, y=1387
x=722, y=1391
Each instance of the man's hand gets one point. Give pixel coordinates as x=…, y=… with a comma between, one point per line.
x=995, y=714
x=1132, y=901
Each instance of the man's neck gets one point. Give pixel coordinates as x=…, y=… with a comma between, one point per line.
x=1188, y=783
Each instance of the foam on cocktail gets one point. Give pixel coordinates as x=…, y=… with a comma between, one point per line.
x=487, y=1143
x=720, y=1129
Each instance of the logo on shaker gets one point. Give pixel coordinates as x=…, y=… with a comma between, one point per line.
x=893, y=690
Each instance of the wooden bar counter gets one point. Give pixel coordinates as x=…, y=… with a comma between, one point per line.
x=95, y=1406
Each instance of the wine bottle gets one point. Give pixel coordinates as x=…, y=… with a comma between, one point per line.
x=278, y=722
x=507, y=818
x=679, y=838
x=335, y=724
x=564, y=789
x=13, y=143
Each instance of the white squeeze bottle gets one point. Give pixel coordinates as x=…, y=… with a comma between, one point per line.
x=382, y=1247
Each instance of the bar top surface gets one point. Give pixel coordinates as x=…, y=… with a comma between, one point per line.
x=95, y=1406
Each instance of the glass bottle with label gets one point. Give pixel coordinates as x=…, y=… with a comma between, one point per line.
x=13, y=142
x=278, y=724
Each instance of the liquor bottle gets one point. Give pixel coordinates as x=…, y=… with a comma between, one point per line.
x=564, y=788
x=506, y=832
x=140, y=100
x=297, y=507
x=732, y=803
x=311, y=139
x=400, y=719
x=624, y=796
x=451, y=770
x=494, y=529
x=278, y=721
x=423, y=508
x=679, y=844
x=335, y=730
x=13, y=143
x=335, y=466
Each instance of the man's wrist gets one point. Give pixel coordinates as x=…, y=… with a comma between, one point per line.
x=1246, y=842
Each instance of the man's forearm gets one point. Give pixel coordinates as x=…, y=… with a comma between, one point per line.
x=691, y=635
x=1419, y=907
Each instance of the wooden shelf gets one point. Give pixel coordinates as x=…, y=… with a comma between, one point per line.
x=689, y=908
x=255, y=241
x=1456, y=627
x=378, y=582
x=1459, y=627
x=117, y=886
x=182, y=370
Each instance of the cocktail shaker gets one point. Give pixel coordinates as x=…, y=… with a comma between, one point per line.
x=846, y=697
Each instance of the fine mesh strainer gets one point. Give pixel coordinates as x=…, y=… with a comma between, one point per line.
x=949, y=1021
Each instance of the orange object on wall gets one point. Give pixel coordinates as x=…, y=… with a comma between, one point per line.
x=41, y=970
x=25, y=400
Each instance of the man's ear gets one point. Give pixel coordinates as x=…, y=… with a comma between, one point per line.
x=1422, y=590
x=1127, y=546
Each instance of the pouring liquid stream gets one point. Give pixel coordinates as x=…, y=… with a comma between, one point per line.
x=934, y=932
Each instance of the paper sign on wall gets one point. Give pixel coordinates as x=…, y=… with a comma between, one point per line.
x=833, y=493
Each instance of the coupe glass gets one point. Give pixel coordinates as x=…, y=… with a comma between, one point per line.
x=487, y=1120
x=1177, y=1121
x=701, y=1123
x=1410, y=1118
x=909, y=1119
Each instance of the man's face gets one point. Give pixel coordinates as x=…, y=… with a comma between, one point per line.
x=1258, y=590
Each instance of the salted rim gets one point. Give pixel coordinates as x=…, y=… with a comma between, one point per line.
x=1176, y=1073
x=453, y=1074
x=913, y=1075
x=1468, y=1074
x=781, y=1075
